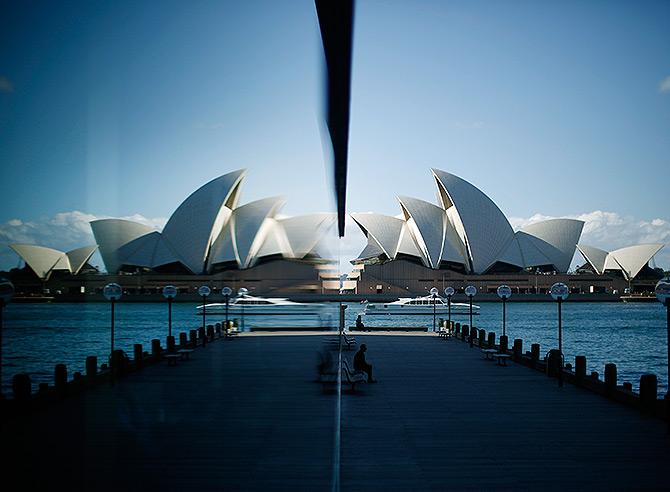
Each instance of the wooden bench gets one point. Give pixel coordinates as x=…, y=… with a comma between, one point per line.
x=172, y=359
x=502, y=359
x=185, y=354
x=351, y=377
x=489, y=354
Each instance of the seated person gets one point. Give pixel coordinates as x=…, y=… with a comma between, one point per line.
x=359, y=322
x=360, y=364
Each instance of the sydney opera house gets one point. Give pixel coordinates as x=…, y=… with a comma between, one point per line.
x=465, y=237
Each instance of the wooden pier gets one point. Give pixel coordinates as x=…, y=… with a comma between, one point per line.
x=247, y=414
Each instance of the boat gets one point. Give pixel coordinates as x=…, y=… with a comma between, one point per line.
x=254, y=305
x=418, y=305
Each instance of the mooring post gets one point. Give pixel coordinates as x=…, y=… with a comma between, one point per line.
x=481, y=337
x=504, y=343
x=138, y=355
x=610, y=376
x=518, y=348
x=170, y=343
x=535, y=353
x=60, y=378
x=183, y=340
x=193, y=335
x=648, y=391
x=491, y=340
x=91, y=367
x=156, y=348
x=580, y=367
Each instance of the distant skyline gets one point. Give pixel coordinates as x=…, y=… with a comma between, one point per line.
x=552, y=109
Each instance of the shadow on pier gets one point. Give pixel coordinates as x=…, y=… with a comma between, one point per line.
x=246, y=414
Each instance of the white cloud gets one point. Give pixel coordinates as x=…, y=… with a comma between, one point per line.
x=63, y=231
x=609, y=231
x=664, y=86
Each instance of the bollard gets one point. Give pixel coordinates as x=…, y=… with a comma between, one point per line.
x=610, y=376
x=491, y=340
x=118, y=362
x=554, y=362
x=170, y=344
x=458, y=329
x=648, y=391
x=103, y=367
x=21, y=387
x=628, y=386
x=193, y=336
x=183, y=340
x=217, y=327
x=518, y=348
x=210, y=332
x=594, y=375
x=580, y=367
x=77, y=378
x=43, y=389
x=60, y=377
x=504, y=341
x=201, y=336
x=481, y=337
x=91, y=366
x=155, y=348
x=465, y=332
x=138, y=355
x=535, y=352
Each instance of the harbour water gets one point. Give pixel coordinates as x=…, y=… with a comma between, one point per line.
x=38, y=336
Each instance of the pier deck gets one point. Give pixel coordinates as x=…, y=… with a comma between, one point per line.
x=246, y=414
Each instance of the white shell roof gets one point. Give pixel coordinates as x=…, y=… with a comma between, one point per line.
x=384, y=229
x=484, y=228
x=43, y=260
x=430, y=222
x=304, y=232
x=39, y=258
x=199, y=219
x=78, y=257
x=595, y=256
x=111, y=234
x=562, y=234
x=633, y=258
x=407, y=245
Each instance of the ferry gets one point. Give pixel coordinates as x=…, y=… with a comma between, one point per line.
x=418, y=305
x=254, y=305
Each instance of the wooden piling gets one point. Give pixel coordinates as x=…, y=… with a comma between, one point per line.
x=504, y=343
x=60, y=377
x=518, y=348
x=610, y=376
x=138, y=355
x=580, y=367
x=465, y=332
x=648, y=391
x=91, y=366
x=535, y=351
x=170, y=344
x=201, y=336
x=481, y=337
x=155, y=348
x=491, y=340
x=183, y=340
x=193, y=337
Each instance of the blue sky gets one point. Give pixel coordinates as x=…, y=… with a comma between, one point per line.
x=124, y=108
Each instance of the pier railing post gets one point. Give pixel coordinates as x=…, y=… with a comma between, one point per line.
x=504, y=342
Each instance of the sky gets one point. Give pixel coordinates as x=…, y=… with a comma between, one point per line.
x=122, y=109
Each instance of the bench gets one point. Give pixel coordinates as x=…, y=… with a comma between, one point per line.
x=502, y=359
x=185, y=353
x=351, y=377
x=489, y=353
x=172, y=359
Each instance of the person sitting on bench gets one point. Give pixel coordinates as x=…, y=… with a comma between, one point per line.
x=360, y=364
x=359, y=322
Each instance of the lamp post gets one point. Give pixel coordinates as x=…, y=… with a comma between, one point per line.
x=241, y=293
x=169, y=292
x=559, y=292
x=662, y=290
x=449, y=291
x=470, y=291
x=204, y=291
x=6, y=293
x=433, y=294
x=504, y=292
x=226, y=291
x=112, y=293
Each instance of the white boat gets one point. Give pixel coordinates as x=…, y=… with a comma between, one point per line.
x=418, y=305
x=253, y=305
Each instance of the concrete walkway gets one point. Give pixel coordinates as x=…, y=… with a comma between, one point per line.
x=246, y=414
